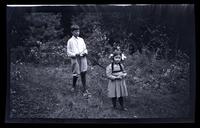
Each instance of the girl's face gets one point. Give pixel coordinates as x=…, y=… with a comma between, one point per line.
x=117, y=59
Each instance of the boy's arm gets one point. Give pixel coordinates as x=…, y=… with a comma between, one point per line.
x=69, y=50
x=85, y=51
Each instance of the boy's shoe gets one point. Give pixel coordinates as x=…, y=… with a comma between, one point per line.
x=86, y=93
x=72, y=89
x=89, y=96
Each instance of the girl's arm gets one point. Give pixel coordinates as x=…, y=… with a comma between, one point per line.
x=109, y=73
x=124, y=71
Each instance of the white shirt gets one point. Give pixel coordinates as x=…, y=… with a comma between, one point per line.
x=76, y=46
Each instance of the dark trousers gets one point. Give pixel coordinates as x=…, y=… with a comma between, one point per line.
x=83, y=80
x=121, y=101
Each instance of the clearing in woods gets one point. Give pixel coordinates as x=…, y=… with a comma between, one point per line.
x=44, y=92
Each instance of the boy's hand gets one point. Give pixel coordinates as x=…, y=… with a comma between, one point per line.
x=84, y=54
x=73, y=57
x=77, y=55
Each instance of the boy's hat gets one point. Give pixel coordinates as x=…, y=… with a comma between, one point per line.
x=75, y=27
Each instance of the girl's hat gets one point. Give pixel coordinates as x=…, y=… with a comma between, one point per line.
x=117, y=52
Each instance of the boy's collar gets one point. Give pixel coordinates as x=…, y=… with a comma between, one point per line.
x=75, y=37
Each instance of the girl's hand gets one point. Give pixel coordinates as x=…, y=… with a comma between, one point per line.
x=114, y=78
x=124, y=75
x=118, y=78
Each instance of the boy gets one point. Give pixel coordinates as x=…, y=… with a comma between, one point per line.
x=76, y=49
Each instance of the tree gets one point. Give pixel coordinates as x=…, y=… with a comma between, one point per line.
x=95, y=37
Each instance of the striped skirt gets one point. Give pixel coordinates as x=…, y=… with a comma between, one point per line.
x=117, y=88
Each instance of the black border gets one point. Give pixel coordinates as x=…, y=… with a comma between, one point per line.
x=102, y=2
x=53, y=122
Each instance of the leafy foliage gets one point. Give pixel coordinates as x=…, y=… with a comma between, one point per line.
x=103, y=31
x=131, y=30
x=44, y=43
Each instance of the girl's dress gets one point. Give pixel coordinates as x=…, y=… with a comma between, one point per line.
x=116, y=88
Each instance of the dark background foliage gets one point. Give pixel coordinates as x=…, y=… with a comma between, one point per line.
x=166, y=28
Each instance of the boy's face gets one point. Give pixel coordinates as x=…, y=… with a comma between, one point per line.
x=76, y=33
x=117, y=59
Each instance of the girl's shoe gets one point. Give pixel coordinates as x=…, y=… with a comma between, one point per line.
x=124, y=109
x=114, y=107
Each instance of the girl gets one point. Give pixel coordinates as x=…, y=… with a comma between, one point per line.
x=116, y=87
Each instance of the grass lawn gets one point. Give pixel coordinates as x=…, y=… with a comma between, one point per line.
x=44, y=92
